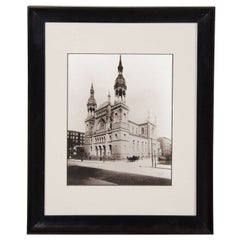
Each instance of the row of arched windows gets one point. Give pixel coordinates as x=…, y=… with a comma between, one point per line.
x=117, y=116
x=103, y=138
x=135, y=130
x=100, y=139
x=139, y=146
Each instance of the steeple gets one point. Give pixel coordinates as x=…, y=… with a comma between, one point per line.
x=91, y=104
x=92, y=90
x=120, y=67
x=120, y=86
x=148, y=116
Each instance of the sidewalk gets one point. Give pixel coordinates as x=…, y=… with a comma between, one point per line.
x=142, y=167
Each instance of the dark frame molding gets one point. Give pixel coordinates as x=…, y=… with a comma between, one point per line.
x=202, y=223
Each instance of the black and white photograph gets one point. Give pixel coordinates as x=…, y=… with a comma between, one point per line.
x=119, y=119
x=68, y=67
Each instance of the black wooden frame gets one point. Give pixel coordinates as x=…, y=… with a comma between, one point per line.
x=202, y=223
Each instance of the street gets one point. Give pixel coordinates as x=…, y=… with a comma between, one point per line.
x=80, y=173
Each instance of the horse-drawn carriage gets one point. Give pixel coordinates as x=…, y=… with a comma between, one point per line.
x=133, y=158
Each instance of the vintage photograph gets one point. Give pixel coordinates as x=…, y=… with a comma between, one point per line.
x=119, y=119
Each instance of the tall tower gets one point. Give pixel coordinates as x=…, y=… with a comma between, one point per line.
x=90, y=122
x=120, y=86
x=120, y=128
x=91, y=108
x=91, y=104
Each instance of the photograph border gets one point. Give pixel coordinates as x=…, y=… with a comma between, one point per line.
x=37, y=222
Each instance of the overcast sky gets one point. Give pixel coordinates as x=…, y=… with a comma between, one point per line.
x=149, y=86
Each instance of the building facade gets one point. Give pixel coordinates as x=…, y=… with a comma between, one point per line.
x=110, y=133
x=165, y=147
x=75, y=144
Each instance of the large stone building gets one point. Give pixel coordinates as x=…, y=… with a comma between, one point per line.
x=109, y=131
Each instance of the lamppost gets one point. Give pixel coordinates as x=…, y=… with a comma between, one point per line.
x=152, y=151
x=154, y=164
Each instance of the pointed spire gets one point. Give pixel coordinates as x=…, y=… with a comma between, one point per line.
x=109, y=97
x=120, y=86
x=148, y=116
x=92, y=90
x=92, y=105
x=120, y=67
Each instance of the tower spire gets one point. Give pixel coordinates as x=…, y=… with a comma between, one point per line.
x=91, y=104
x=92, y=90
x=148, y=116
x=120, y=86
x=120, y=67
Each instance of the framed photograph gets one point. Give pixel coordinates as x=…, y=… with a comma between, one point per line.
x=120, y=124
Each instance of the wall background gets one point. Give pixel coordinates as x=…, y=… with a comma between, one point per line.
x=13, y=105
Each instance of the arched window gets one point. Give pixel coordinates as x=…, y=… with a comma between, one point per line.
x=142, y=130
x=116, y=117
x=101, y=124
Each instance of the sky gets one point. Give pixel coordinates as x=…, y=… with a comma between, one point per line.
x=149, y=87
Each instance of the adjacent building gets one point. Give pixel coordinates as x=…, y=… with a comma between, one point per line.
x=75, y=144
x=165, y=146
x=109, y=131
